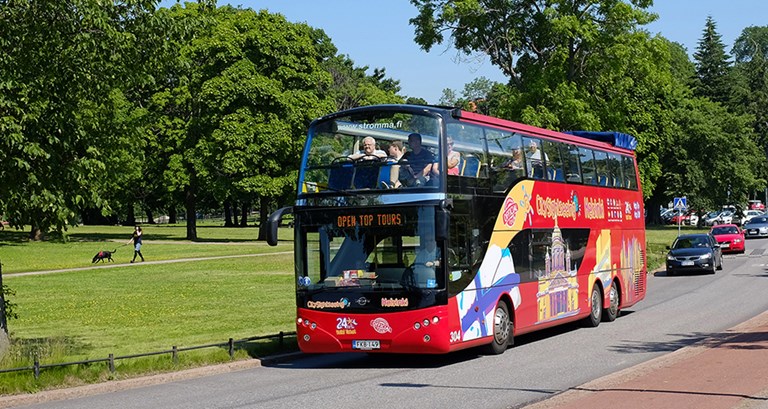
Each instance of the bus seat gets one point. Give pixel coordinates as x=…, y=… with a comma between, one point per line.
x=385, y=176
x=366, y=177
x=340, y=178
x=602, y=180
x=461, y=164
x=559, y=175
x=471, y=166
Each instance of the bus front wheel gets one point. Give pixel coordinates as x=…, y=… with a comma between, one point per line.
x=502, y=330
x=595, y=308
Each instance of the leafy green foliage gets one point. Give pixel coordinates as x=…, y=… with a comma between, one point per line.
x=63, y=67
x=712, y=65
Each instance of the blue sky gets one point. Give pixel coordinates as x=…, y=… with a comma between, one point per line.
x=376, y=33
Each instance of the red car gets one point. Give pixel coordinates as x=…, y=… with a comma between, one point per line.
x=730, y=237
x=756, y=205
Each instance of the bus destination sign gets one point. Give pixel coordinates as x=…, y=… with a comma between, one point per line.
x=370, y=220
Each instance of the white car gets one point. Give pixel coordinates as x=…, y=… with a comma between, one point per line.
x=748, y=215
x=725, y=217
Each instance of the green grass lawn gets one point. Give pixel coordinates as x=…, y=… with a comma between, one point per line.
x=137, y=308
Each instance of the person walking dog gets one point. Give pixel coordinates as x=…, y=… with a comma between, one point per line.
x=136, y=239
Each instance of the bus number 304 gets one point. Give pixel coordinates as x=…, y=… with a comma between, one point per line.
x=455, y=336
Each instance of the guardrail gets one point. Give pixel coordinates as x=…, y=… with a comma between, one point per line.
x=174, y=351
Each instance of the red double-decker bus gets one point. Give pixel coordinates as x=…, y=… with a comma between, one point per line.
x=484, y=229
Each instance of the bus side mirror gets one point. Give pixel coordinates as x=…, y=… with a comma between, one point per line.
x=273, y=221
x=441, y=220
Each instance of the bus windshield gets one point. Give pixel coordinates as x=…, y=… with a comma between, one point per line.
x=372, y=150
x=377, y=249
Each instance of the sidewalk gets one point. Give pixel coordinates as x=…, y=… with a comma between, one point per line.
x=727, y=372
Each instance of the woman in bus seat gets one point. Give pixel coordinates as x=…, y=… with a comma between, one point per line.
x=453, y=158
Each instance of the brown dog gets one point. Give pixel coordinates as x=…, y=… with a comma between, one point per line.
x=100, y=256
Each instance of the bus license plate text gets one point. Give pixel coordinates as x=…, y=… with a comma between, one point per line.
x=367, y=344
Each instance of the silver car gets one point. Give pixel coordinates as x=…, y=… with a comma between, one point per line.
x=756, y=227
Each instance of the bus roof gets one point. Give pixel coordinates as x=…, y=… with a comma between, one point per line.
x=617, y=139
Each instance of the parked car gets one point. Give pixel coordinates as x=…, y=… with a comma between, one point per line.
x=756, y=205
x=741, y=218
x=694, y=252
x=688, y=218
x=725, y=217
x=730, y=237
x=756, y=227
x=710, y=219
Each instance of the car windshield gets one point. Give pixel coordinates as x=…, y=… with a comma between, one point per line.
x=758, y=220
x=690, y=242
x=725, y=230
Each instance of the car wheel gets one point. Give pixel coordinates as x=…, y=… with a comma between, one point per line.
x=720, y=264
x=502, y=330
x=595, y=308
x=612, y=311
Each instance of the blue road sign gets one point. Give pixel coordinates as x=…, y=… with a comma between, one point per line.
x=680, y=203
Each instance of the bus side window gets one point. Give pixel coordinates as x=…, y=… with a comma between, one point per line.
x=554, y=161
x=520, y=248
x=614, y=166
x=587, y=160
x=571, y=163
x=601, y=165
x=629, y=172
x=534, y=159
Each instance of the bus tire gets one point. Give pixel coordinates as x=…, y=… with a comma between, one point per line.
x=612, y=310
x=502, y=330
x=595, y=308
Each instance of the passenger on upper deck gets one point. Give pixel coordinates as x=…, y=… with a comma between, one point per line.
x=396, y=151
x=369, y=151
x=453, y=158
x=420, y=164
x=516, y=162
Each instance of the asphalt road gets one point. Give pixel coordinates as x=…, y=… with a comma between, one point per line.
x=677, y=312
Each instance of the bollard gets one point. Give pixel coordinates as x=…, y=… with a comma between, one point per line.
x=37, y=368
x=281, y=339
x=112, y=363
x=175, y=355
x=231, y=349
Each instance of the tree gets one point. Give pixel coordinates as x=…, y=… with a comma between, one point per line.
x=62, y=70
x=518, y=33
x=244, y=89
x=352, y=87
x=712, y=65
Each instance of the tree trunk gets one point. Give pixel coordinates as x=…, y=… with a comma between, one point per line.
x=35, y=234
x=150, y=217
x=172, y=215
x=5, y=341
x=263, y=215
x=130, y=218
x=227, y=213
x=234, y=214
x=652, y=210
x=244, y=214
x=190, y=204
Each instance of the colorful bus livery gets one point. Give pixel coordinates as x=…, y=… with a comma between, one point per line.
x=533, y=229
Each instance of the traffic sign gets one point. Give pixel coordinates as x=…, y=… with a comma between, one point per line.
x=680, y=203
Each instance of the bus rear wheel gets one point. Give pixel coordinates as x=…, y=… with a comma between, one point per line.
x=596, y=308
x=612, y=310
x=502, y=330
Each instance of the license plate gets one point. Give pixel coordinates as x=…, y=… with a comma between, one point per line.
x=687, y=263
x=725, y=245
x=365, y=344
x=753, y=231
